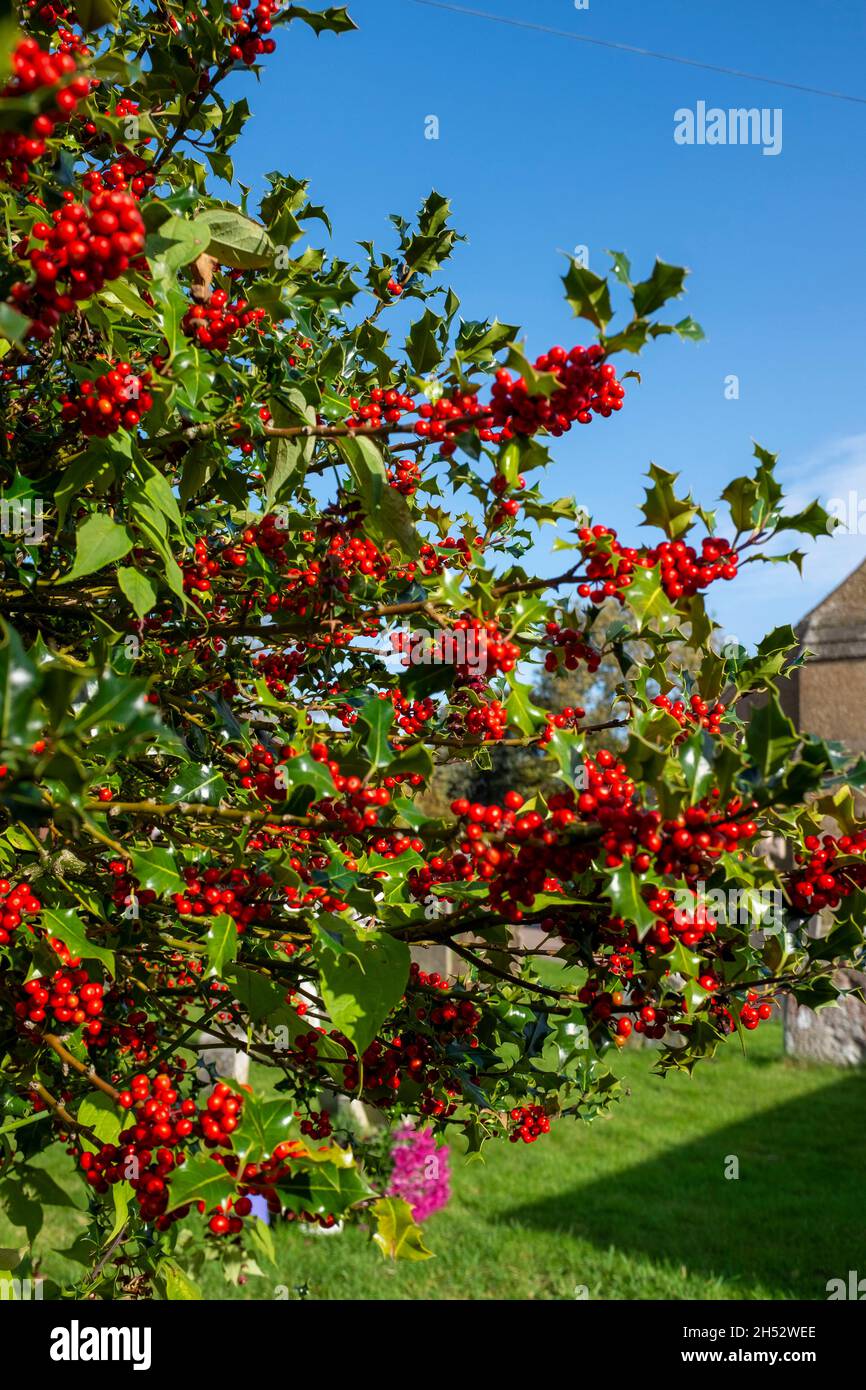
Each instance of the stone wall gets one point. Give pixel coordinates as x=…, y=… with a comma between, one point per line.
x=836, y=1034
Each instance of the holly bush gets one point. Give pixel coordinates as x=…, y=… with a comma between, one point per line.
x=266, y=518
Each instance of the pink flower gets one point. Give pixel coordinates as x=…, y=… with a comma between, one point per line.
x=420, y=1174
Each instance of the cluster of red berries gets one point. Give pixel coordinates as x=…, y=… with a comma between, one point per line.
x=752, y=1013
x=574, y=648
x=681, y=846
x=696, y=715
x=348, y=555
x=308, y=585
x=17, y=901
x=444, y=420
x=530, y=853
x=270, y=781
x=32, y=69
x=412, y=716
x=530, y=1122
x=385, y=1065
x=610, y=1008
x=69, y=995
x=513, y=877
x=215, y=323
x=485, y=719
x=235, y=892
x=149, y=1150
x=569, y=717
x=199, y=574
x=486, y=651
x=683, y=572
x=448, y=552
x=690, y=923
x=451, y=1019
x=609, y=567
x=384, y=407
x=248, y=27
x=115, y=400
x=404, y=475
x=823, y=877
x=358, y=810
x=128, y=171
x=84, y=248
x=317, y=1125
x=50, y=13
x=588, y=386
x=280, y=669
x=702, y=833
x=508, y=506
x=269, y=535
x=127, y=1028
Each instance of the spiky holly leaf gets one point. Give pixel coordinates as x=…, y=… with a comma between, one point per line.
x=663, y=509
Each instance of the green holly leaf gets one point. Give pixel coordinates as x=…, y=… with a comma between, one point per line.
x=67, y=926
x=255, y=992
x=621, y=267
x=221, y=942
x=770, y=737
x=155, y=869
x=309, y=777
x=423, y=346
x=119, y=700
x=20, y=683
x=648, y=601
x=623, y=888
x=397, y=1234
x=138, y=589
x=175, y=243
x=326, y=1188
x=200, y=1179
x=814, y=520
x=197, y=783
x=335, y=19
x=95, y=14
x=377, y=716
x=98, y=1112
x=697, y=769
x=663, y=509
x=520, y=708
x=363, y=975
x=13, y=326
x=588, y=294
x=176, y=1283
x=236, y=240
x=666, y=282
x=99, y=542
x=264, y=1124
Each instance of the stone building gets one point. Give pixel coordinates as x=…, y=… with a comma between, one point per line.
x=827, y=696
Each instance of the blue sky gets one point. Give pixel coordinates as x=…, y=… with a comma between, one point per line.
x=545, y=144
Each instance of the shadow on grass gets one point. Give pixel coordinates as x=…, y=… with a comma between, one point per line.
x=788, y=1223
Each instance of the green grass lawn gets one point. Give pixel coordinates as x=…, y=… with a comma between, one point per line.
x=634, y=1206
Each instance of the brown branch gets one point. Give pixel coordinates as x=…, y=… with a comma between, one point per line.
x=63, y=1114
x=81, y=1067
